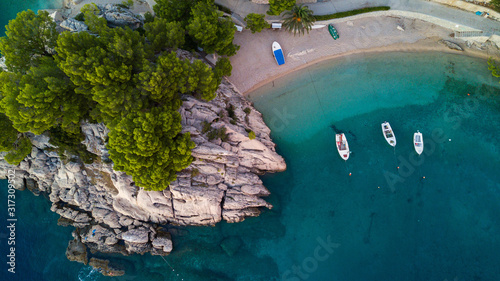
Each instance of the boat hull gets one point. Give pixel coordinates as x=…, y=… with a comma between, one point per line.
x=278, y=53
x=333, y=32
x=418, y=142
x=342, y=146
x=388, y=134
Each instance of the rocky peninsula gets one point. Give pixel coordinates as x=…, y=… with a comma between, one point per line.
x=111, y=214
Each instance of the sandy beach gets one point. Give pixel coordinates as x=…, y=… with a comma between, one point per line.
x=254, y=64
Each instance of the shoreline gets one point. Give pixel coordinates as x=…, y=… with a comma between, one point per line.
x=254, y=65
x=418, y=47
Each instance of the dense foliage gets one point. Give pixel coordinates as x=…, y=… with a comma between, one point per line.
x=276, y=7
x=352, y=13
x=132, y=82
x=42, y=98
x=69, y=145
x=495, y=4
x=149, y=146
x=17, y=147
x=163, y=34
x=21, y=148
x=29, y=38
x=299, y=19
x=494, y=67
x=206, y=26
x=256, y=22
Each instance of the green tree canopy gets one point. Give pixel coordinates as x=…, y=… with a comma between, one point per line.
x=278, y=6
x=17, y=146
x=299, y=19
x=256, y=22
x=104, y=66
x=171, y=76
x=8, y=135
x=494, y=67
x=222, y=68
x=175, y=10
x=42, y=99
x=211, y=31
x=113, y=75
x=163, y=34
x=21, y=149
x=29, y=37
x=149, y=146
x=495, y=4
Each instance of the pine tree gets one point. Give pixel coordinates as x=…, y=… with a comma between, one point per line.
x=29, y=37
x=210, y=31
x=163, y=34
x=150, y=147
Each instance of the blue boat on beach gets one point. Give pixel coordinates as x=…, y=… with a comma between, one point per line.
x=278, y=53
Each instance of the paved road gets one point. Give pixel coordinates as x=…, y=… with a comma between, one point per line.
x=244, y=7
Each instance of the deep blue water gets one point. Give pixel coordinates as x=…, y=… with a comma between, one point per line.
x=10, y=8
x=381, y=223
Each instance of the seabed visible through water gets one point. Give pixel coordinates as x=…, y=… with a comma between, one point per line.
x=434, y=218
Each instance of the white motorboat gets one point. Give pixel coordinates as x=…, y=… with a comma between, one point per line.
x=418, y=142
x=342, y=146
x=388, y=133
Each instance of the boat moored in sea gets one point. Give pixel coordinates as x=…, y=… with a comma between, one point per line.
x=388, y=133
x=342, y=146
x=278, y=53
x=418, y=142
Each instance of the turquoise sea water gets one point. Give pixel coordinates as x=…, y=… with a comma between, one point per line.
x=10, y=8
x=380, y=223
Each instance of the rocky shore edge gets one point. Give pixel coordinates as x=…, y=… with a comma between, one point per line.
x=113, y=215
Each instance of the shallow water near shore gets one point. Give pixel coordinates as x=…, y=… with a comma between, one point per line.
x=380, y=223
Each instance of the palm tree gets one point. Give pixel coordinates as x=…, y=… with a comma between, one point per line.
x=299, y=19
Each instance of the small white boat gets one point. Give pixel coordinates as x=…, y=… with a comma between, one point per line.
x=388, y=133
x=342, y=146
x=418, y=142
x=278, y=53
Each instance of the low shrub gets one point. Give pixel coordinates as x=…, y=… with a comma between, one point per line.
x=351, y=13
x=223, y=8
x=251, y=135
x=80, y=17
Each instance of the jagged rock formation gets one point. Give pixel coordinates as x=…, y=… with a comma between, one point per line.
x=117, y=16
x=113, y=215
x=74, y=25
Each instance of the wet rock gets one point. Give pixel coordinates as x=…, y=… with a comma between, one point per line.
x=104, y=267
x=163, y=242
x=77, y=251
x=233, y=216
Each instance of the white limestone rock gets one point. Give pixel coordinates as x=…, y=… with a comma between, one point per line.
x=118, y=16
x=136, y=235
x=74, y=25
